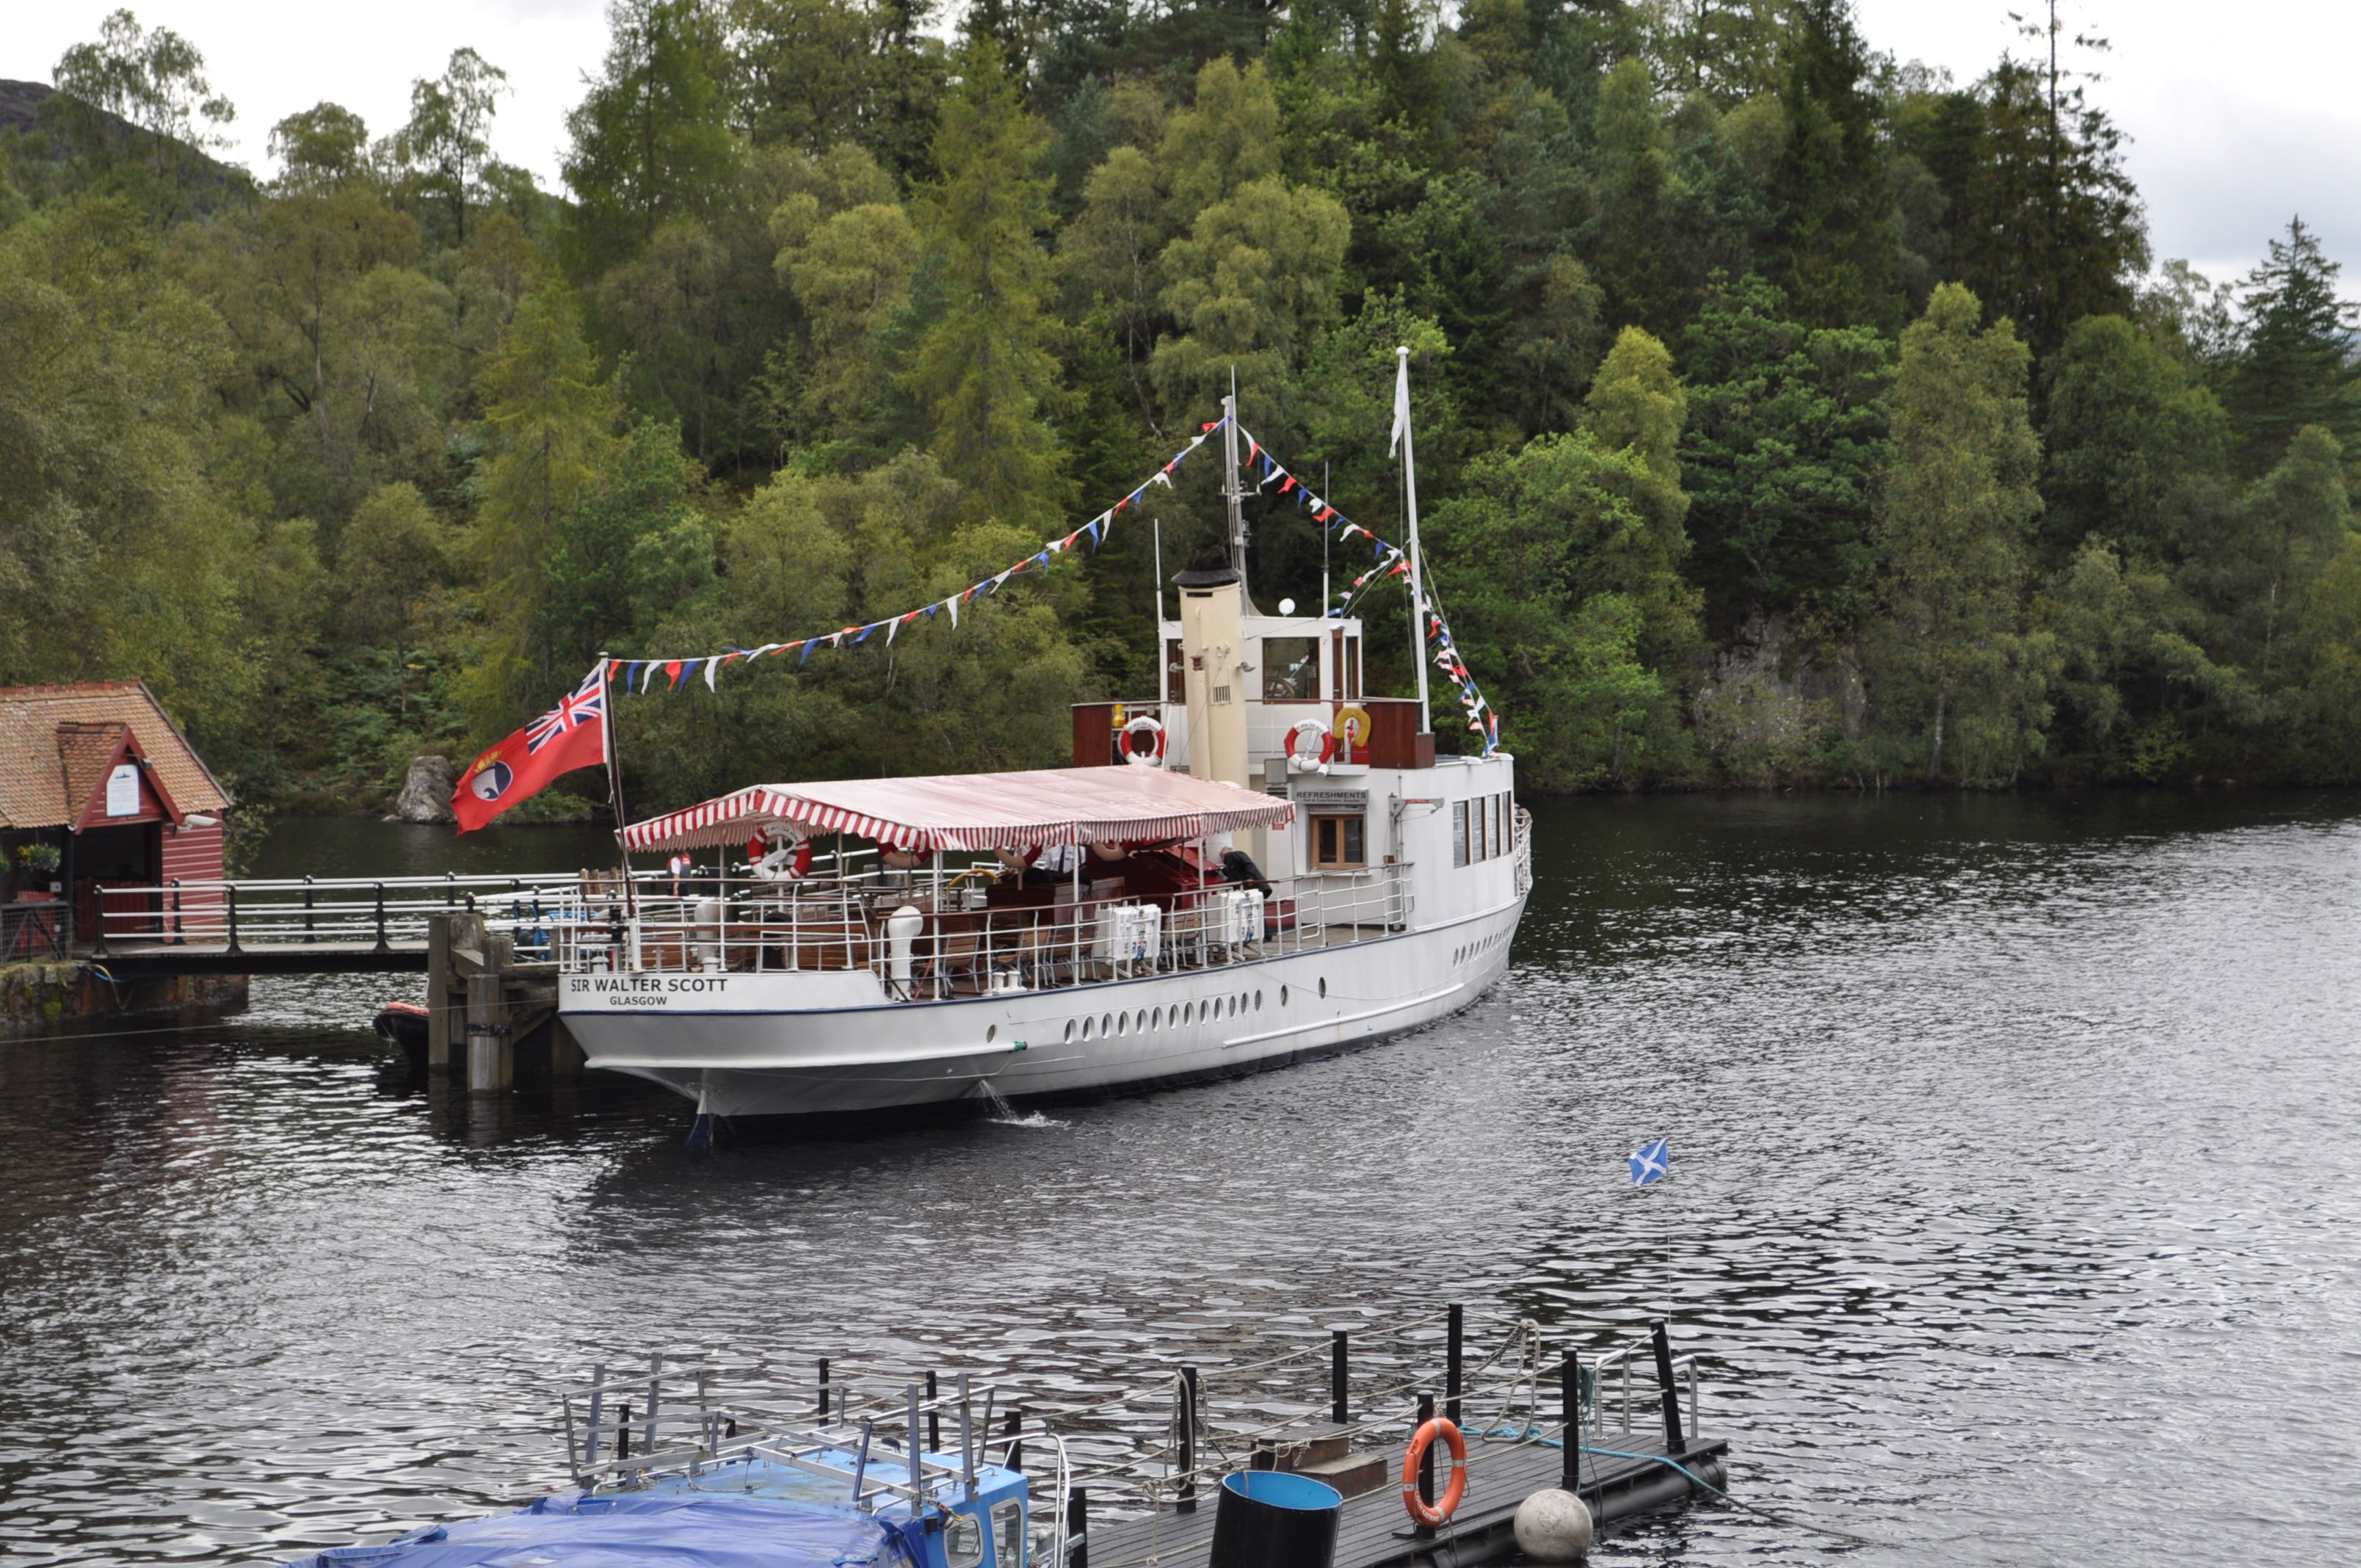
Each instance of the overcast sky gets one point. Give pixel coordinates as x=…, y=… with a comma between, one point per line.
x=2238, y=120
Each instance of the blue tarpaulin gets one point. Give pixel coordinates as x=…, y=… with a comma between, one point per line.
x=641, y=1531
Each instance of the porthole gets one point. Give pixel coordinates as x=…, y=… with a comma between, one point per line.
x=1123, y=1023
x=1257, y=1000
x=1139, y=1021
x=1282, y=996
x=1106, y=1023
x=992, y=1034
x=1086, y=1027
x=1237, y=1005
x=1156, y=1018
x=1069, y=1031
x=1324, y=988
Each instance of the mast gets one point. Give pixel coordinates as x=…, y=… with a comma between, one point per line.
x=1233, y=494
x=614, y=773
x=1410, y=499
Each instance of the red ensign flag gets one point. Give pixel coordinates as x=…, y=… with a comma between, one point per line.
x=571, y=735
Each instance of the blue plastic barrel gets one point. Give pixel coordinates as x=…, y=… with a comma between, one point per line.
x=1268, y=1518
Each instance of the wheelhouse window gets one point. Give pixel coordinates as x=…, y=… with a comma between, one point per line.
x=1458, y=832
x=1290, y=669
x=1338, y=843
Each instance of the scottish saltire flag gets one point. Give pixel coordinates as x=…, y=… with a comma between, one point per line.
x=1651, y=1162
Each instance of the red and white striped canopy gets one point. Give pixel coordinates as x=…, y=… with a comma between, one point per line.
x=977, y=811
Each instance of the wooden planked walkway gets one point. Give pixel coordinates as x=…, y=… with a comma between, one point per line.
x=1375, y=1529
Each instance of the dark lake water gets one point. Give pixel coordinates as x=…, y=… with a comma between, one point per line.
x=2016, y=1202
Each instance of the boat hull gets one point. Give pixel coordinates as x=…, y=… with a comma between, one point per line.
x=834, y=1047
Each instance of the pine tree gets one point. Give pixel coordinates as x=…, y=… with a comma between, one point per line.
x=2295, y=368
x=1836, y=241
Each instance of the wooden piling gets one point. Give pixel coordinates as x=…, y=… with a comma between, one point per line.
x=1339, y=1404
x=438, y=993
x=491, y=1059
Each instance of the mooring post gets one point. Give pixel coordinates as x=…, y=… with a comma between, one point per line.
x=1013, y=1430
x=438, y=992
x=382, y=945
x=933, y=1417
x=1664, y=1342
x=823, y=1386
x=309, y=934
x=1187, y=1496
x=1453, y=1344
x=176, y=912
x=229, y=899
x=1338, y=1405
x=1569, y=1410
x=1426, y=1460
x=491, y=1056
x=1078, y=1528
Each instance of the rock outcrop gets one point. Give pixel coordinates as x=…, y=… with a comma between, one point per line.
x=425, y=791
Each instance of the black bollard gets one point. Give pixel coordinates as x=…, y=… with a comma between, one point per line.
x=934, y=1420
x=1078, y=1528
x=1569, y=1406
x=1671, y=1390
x=1186, y=1499
x=1339, y=1406
x=823, y=1386
x=1453, y=1341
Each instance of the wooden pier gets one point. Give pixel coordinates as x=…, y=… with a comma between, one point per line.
x=1377, y=1532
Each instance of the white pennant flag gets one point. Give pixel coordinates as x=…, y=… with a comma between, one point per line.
x=952, y=605
x=1401, y=403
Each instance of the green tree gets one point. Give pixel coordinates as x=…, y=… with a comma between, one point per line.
x=2294, y=367
x=549, y=421
x=1784, y=439
x=1836, y=239
x=1955, y=521
x=982, y=374
x=445, y=144
x=153, y=81
x=1631, y=164
x=651, y=141
x=2128, y=427
x=392, y=558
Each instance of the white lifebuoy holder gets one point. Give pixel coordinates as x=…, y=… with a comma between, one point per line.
x=1302, y=762
x=1146, y=756
x=790, y=858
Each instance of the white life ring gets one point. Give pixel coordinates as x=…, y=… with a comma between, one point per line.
x=1145, y=724
x=1302, y=762
x=789, y=860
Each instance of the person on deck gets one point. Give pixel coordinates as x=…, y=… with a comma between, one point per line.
x=1045, y=867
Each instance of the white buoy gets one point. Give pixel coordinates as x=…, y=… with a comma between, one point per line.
x=1554, y=1527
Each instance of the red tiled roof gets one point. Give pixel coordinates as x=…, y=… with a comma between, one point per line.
x=56, y=741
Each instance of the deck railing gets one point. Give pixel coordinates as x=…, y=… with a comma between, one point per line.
x=929, y=937
x=372, y=912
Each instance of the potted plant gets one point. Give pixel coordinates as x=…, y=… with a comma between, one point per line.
x=36, y=870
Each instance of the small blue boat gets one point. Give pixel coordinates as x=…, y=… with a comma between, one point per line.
x=688, y=1483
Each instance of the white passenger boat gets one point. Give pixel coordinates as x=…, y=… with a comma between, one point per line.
x=1260, y=865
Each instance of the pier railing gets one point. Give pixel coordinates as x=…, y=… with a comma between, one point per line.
x=934, y=936
x=1162, y=1440
x=377, y=912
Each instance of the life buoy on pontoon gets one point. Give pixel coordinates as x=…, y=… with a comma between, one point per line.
x=1437, y=1513
x=1302, y=762
x=1144, y=757
x=788, y=858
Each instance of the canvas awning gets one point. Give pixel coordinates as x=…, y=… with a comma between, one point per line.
x=977, y=811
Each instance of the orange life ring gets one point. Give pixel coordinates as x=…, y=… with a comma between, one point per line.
x=1434, y=1514
x=1144, y=724
x=1327, y=745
